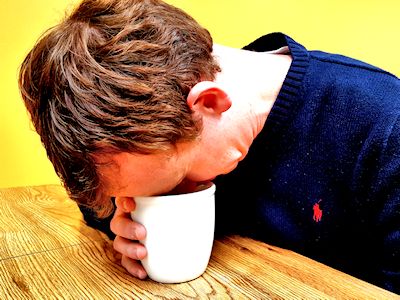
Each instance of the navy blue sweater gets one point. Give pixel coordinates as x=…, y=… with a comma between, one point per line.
x=323, y=176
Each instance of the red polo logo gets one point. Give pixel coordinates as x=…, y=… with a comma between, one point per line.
x=317, y=212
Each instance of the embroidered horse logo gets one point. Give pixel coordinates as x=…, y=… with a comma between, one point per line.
x=317, y=212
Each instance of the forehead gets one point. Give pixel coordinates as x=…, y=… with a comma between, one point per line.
x=127, y=174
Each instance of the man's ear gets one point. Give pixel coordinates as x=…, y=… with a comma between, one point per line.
x=207, y=96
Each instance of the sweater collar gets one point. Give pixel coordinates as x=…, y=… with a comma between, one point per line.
x=289, y=96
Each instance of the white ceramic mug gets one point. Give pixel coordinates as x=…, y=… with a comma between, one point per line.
x=180, y=233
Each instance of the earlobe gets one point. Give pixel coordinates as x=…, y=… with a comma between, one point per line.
x=207, y=96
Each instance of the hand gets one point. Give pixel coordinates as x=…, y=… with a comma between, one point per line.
x=127, y=233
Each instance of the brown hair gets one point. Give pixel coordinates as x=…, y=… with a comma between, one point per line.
x=114, y=76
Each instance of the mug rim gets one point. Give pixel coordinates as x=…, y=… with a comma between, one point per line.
x=208, y=191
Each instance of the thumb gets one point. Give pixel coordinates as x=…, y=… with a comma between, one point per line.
x=125, y=204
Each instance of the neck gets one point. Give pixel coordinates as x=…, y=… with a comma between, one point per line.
x=253, y=81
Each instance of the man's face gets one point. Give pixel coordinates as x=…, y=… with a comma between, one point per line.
x=130, y=175
x=141, y=175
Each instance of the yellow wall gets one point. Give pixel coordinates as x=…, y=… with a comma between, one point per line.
x=368, y=30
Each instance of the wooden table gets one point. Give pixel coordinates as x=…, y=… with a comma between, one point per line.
x=47, y=252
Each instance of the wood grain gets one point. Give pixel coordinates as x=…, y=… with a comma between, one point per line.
x=47, y=252
x=40, y=219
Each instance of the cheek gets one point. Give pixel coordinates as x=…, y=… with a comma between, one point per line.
x=205, y=170
x=154, y=181
x=211, y=160
x=158, y=185
x=170, y=179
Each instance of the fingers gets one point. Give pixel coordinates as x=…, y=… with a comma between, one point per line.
x=122, y=224
x=128, y=248
x=134, y=267
x=126, y=231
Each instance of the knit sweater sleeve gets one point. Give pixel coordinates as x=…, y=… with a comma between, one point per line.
x=92, y=220
x=386, y=190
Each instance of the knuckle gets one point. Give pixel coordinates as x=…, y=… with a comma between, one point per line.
x=114, y=226
x=132, y=251
x=125, y=261
x=132, y=231
x=116, y=244
x=118, y=202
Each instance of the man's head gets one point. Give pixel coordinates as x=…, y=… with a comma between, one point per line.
x=114, y=77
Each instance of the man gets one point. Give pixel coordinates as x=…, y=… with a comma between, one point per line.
x=131, y=98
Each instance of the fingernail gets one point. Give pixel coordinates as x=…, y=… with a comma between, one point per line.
x=139, y=233
x=125, y=206
x=141, y=275
x=140, y=253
